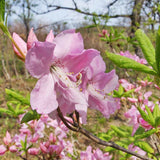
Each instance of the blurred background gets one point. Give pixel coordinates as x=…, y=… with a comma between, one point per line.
x=89, y=17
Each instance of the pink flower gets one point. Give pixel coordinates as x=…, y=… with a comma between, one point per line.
x=33, y=151
x=51, y=63
x=126, y=85
x=132, y=100
x=7, y=139
x=43, y=148
x=134, y=57
x=2, y=149
x=13, y=148
x=97, y=84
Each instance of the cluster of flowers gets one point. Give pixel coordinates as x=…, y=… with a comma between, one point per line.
x=69, y=77
x=34, y=135
x=141, y=97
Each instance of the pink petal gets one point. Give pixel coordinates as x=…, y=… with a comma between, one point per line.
x=33, y=151
x=50, y=37
x=21, y=44
x=68, y=42
x=96, y=66
x=106, y=105
x=31, y=39
x=7, y=139
x=76, y=63
x=43, y=96
x=105, y=82
x=13, y=148
x=2, y=149
x=39, y=58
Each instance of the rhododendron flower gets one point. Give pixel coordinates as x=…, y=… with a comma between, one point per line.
x=52, y=64
x=98, y=84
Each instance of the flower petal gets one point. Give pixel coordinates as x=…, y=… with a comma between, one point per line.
x=105, y=104
x=50, y=37
x=39, y=58
x=21, y=44
x=31, y=39
x=96, y=66
x=68, y=42
x=106, y=81
x=43, y=96
x=76, y=63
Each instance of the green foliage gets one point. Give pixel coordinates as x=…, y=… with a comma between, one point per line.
x=124, y=62
x=158, y=51
x=153, y=118
x=2, y=10
x=121, y=93
x=147, y=48
x=17, y=96
x=31, y=115
x=123, y=136
x=17, y=104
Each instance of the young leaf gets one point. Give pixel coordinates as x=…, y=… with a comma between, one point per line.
x=157, y=121
x=158, y=50
x=156, y=111
x=31, y=115
x=145, y=116
x=119, y=132
x=147, y=48
x=145, y=134
x=124, y=62
x=139, y=131
x=17, y=96
x=150, y=116
x=2, y=10
x=144, y=146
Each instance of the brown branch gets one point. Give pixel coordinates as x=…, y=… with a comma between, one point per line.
x=78, y=128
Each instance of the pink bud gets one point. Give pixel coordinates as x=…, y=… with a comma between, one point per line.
x=138, y=89
x=52, y=138
x=33, y=151
x=25, y=131
x=31, y=39
x=7, y=139
x=2, y=149
x=132, y=100
x=35, y=138
x=47, y=144
x=43, y=148
x=13, y=148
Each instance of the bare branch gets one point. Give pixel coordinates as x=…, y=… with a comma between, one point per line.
x=77, y=128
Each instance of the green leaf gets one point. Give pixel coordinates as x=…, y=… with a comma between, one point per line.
x=2, y=10
x=158, y=50
x=144, y=146
x=124, y=62
x=127, y=94
x=150, y=116
x=31, y=115
x=157, y=121
x=145, y=116
x=17, y=96
x=119, y=132
x=10, y=107
x=145, y=134
x=156, y=111
x=120, y=90
x=147, y=48
x=139, y=131
x=3, y=110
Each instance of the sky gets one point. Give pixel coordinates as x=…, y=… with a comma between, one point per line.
x=73, y=18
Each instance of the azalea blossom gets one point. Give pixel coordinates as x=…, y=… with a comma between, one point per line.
x=54, y=64
x=97, y=84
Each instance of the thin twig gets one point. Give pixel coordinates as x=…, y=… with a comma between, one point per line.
x=96, y=139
